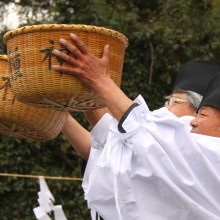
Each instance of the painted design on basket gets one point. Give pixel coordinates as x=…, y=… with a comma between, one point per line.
x=49, y=54
x=14, y=64
x=6, y=86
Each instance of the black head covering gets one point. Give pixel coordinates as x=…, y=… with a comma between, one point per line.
x=194, y=75
x=212, y=93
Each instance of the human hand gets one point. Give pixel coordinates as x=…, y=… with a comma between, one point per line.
x=89, y=69
x=93, y=72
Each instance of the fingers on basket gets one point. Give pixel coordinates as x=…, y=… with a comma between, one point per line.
x=74, y=50
x=65, y=69
x=64, y=57
x=106, y=52
x=80, y=45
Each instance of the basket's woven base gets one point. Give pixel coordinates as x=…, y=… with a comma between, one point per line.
x=81, y=102
x=30, y=52
x=26, y=122
x=12, y=130
x=21, y=121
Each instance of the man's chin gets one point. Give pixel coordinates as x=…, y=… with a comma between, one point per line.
x=193, y=130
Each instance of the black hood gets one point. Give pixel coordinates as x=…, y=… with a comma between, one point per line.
x=212, y=93
x=195, y=75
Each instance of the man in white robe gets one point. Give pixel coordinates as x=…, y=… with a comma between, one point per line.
x=156, y=169
x=151, y=166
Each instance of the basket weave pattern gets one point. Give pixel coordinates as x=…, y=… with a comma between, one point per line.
x=30, y=52
x=22, y=121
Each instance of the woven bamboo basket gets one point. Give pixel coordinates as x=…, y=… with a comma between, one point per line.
x=22, y=121
x=30, y=52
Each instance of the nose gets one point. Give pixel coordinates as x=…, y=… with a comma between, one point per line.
x=194, y=122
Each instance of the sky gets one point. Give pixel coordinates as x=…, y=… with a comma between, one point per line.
x=10, y=17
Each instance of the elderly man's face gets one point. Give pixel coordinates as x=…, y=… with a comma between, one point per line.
x=207, y=122
x=179, y=105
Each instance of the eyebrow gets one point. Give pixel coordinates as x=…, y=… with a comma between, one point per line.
x=208, y=113
x=203, y=108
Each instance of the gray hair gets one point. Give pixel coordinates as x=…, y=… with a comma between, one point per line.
x=193, y=98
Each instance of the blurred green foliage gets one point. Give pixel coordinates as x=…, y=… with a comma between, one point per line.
x=163, y=34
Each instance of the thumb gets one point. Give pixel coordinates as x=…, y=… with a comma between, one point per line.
x=105, y=54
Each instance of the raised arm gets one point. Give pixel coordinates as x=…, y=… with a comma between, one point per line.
x=78, y=137
x=93, y=116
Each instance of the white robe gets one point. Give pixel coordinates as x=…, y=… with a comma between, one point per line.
x=157, y=170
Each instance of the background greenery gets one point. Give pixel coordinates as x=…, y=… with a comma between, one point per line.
x=163, y=34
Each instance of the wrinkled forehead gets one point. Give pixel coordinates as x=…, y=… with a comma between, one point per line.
x=210, y=109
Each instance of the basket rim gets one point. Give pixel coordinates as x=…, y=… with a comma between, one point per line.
x=3, y=57
x=66, y=27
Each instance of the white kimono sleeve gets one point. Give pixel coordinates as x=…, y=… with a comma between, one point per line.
x=98, y=189
x=161, y=172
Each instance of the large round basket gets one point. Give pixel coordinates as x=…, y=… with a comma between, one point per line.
x=22, y=121
x=30, y=51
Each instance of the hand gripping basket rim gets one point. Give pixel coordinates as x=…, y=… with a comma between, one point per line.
x=65, y=27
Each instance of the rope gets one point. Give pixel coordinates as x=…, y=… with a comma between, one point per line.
x=36, y=176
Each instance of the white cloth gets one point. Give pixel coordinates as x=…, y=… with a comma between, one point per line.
x=46, y=206
x=97, y=192
x=157, y=170
x=186, y=120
